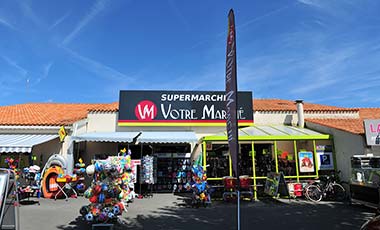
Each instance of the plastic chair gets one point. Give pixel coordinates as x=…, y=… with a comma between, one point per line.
x=229, y=187
x=246, y=187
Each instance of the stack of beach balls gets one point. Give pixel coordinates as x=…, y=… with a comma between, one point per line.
x=108, y=191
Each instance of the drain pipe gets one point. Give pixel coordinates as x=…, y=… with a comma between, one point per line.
x=300, y=113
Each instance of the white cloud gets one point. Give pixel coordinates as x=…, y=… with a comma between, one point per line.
x=59, y=21
x=98, y=6
x=13, y=63
x=96, y=67
x=7, y=24
x=29, y=12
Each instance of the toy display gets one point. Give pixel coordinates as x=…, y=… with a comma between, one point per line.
x=80, y=171
x=31, y=177
x=147, y=177
x=200, y=188
x=109, y=190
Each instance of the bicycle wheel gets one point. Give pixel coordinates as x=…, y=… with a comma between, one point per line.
x=313, y=193
x=339, y=193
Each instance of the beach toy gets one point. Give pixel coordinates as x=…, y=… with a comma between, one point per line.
x=89, y=217
x=90, y=170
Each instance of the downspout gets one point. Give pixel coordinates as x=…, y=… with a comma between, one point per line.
x=300, y=113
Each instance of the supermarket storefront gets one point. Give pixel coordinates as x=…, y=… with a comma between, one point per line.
x=299, y=153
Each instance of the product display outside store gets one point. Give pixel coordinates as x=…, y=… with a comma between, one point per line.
x=109, y=191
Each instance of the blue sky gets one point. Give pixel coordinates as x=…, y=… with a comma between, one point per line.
x=73, y=51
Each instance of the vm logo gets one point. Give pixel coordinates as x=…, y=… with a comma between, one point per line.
x=146, y=110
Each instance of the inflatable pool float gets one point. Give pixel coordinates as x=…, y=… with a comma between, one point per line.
x=49, y=181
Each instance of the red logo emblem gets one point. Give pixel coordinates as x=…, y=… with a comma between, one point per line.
x=146, y=110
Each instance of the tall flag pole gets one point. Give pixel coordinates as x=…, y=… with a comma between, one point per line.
x=231, y=104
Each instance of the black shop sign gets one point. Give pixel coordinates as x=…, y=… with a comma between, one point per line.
x=180, y=108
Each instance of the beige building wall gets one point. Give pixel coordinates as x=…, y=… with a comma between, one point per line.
x=94, y=148
x=101, y=122
x=345, y=145
x=45, y=150
x=290, y=117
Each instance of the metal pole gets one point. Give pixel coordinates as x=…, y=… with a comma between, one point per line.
x=238, y=181
x=141, y=167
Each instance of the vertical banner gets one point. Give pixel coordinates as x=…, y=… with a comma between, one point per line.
x=231, y=93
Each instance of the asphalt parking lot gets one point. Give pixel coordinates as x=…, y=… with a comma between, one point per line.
x=168, y=211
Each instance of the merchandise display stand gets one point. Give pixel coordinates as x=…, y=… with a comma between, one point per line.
x=66, y=181
x=109, y=191
x=80, y=171
x=147, y=175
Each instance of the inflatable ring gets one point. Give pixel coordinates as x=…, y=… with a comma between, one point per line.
x=49, y=184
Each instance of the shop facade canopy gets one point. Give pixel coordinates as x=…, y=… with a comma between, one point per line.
x=123, y=137
x=272, y=133
x=167, y=137
x=22, y=143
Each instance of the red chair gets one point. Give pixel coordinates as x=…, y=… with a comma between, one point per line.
x=229, y=187
x=246, y=187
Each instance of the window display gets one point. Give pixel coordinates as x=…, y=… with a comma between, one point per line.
x=246, y=159
x=365, y=180
x=264, y=160
x=218, y=161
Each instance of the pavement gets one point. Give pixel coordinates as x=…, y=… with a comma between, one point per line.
x=169, y=212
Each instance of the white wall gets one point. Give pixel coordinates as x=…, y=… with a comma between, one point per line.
x=290, y=117
x=345, y=145
x=101, y=122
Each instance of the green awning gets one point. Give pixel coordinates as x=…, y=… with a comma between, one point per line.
x=271, y=132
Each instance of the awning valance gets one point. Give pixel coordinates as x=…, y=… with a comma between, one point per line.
x=22, y=143
x=272, y=132
x=107, y=137
x=167, y=137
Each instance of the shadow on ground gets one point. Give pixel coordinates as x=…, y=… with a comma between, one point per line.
x=263, y=214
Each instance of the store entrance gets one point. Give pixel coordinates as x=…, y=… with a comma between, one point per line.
x=172, y=166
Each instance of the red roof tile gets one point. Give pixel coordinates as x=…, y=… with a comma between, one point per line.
x=45, y=114
x=287, y=105
x=355, y=126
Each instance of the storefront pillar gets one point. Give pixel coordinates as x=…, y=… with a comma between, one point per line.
x=275, y=155
x=254, y=171
x=204, y=154
x=230, y=160
x=315, y=158
x=296, y=157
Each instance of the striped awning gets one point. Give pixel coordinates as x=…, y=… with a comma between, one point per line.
x=167, y=137
x=22, y=143
x=123, y=137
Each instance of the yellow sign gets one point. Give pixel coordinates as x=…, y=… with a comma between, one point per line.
x=62, y=133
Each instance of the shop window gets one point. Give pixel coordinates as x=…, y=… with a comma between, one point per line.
x=286, y=158
x=246, y=160
x=324, y=151
x=264, y=159
x=217, y=157
x=306, y=158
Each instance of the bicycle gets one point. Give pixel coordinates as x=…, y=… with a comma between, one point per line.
x=327, y=188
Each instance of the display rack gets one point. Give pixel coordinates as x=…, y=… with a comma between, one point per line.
x=173, y=173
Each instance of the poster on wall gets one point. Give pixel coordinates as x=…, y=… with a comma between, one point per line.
x=325, y=161
x=306, y=161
